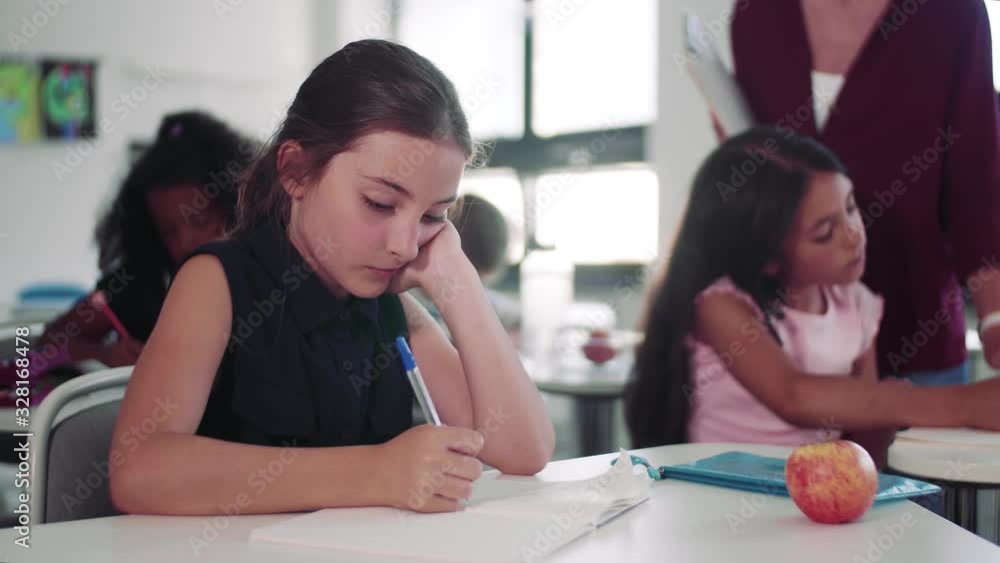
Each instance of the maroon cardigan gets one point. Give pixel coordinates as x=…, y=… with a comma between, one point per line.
x=916, y=124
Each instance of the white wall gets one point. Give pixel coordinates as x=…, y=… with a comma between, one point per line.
x=242, y=64
x=682, y=136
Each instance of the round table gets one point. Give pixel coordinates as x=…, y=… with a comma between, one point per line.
x=594, y=389
x=962, y=461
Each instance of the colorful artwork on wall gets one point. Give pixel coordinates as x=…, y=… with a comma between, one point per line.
x=67, y=99
x=20, y=119
x=46, y=100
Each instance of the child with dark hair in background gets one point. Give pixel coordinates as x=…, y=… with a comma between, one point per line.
x=486, y=242
x=179, y=194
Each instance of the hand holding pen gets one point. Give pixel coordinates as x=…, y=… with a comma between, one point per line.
x=431, y=467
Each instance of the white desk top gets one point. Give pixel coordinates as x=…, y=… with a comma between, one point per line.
x=569, y=372
x=583, y=378
x=957, y=455
x=691, y=523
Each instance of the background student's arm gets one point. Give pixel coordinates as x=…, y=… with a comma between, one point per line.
x=161, y=467
x=479, y=381
x=81, y=331
x=813, y=400
x=875, y=440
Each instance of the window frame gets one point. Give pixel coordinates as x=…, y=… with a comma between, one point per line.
x=532, y=156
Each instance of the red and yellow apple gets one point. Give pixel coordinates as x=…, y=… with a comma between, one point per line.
x=832, y=482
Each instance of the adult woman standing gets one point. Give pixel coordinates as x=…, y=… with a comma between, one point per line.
x=902, y=91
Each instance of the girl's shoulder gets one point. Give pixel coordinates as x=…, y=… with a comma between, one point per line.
x=725, y=286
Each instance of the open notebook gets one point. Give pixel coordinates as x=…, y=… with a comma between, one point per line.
x=507, y=519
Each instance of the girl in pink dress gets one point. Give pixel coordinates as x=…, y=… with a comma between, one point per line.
x=761, y=330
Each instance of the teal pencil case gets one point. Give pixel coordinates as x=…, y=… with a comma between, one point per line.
x=749, y=472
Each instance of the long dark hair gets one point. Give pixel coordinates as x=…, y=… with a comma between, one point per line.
x=368, y=86
x=191, y=147
x=742, y=205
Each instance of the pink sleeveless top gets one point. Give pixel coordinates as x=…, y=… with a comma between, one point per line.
x=827, y=344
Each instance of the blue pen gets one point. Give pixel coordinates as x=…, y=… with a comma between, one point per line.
x=417, y=382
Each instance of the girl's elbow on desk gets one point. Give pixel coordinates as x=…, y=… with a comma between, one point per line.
x=140, y=483
x=129, y=489
x=526, y=457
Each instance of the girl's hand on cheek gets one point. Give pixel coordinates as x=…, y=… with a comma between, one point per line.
x=437, y=260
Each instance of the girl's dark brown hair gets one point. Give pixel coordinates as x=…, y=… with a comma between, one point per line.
x=191, y=147
x=727, y=230
x=368, y=86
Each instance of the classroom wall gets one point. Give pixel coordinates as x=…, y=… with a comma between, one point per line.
x=682, y=136
x=240, y=59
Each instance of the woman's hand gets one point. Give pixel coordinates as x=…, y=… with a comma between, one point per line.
x=429, y=468
x=991, y=346
x=439, y=261
x=983, y=404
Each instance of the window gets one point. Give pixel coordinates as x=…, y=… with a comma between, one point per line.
x=594, y=65
x=599, y=217
x=501, y=187
x=479, y=44
x=993, y=9
x=562, y=91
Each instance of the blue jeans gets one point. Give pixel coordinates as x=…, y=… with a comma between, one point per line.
x=958, y=375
